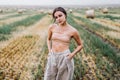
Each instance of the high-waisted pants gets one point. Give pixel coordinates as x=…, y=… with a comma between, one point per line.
x=59, y=66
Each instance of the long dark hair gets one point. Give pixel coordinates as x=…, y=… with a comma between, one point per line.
x=59, y=9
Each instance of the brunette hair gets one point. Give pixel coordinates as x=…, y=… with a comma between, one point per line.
x=59, y=9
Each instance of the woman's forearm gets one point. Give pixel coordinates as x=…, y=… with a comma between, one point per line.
x=77, y=49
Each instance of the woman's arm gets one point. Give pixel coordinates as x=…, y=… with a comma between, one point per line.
x=79, y=43
x=49, y=38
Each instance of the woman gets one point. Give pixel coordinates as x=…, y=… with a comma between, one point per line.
x=60, y=65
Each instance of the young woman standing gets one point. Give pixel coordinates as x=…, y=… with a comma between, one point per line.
x=60, y=64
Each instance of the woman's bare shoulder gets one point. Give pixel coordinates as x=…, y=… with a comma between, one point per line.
x=74, y=30
x=52, y=26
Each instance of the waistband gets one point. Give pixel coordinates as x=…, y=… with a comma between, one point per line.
x=60, y=53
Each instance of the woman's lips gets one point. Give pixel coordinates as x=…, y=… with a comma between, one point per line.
x=59, y=21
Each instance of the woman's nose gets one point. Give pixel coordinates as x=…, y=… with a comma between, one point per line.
x=58, y=19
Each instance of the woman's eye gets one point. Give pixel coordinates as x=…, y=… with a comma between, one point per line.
x=60, y=15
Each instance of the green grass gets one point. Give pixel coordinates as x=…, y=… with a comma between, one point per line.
x=115, y=10
x=96, y=27
x=11, y=16
x=94, y=45
x=7, y=29
x=94, y=40
x=16, y=15
x=108, y=16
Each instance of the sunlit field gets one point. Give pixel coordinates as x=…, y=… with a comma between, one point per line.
x=23, y=47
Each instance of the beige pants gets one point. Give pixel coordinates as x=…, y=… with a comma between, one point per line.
x=59, y=66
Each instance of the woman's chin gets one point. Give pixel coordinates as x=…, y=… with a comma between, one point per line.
x=61, y=23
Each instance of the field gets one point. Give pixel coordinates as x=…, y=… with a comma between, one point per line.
x=23, y=47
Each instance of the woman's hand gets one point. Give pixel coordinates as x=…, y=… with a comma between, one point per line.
x=70, y=56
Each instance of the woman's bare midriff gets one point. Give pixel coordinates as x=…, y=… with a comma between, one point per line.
x=59, y=46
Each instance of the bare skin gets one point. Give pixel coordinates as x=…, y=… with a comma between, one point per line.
x=60, y=34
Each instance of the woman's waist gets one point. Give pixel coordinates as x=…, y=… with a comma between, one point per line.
x=59, y=48
x=66, y=51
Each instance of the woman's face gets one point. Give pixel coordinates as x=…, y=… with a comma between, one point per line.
x=60, y=17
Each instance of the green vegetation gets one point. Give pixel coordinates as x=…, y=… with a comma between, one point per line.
x=93, y=45
x=7, y=29
x=96, y=27
x=108, y=17
x=11, y=16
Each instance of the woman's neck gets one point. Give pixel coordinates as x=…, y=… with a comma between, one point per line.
x=64, y=24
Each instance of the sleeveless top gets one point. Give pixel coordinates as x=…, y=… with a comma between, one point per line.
x=59, y=36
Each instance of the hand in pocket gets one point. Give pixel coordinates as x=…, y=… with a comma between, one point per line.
x=70, y=56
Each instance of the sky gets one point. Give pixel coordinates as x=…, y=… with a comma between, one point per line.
x=58, y=2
